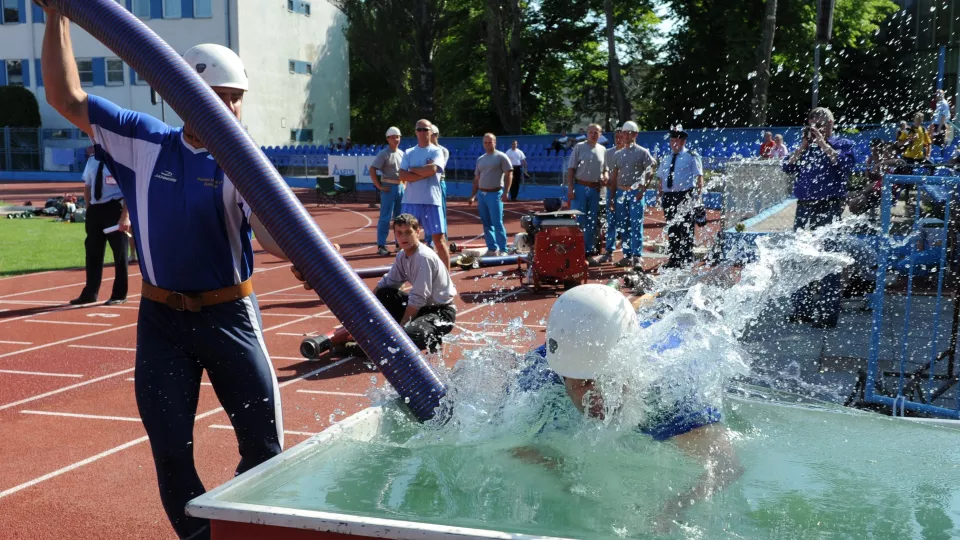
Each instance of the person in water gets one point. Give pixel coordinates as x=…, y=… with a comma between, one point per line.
x=584, y=326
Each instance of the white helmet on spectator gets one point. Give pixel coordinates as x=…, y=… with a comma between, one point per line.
x=391, y=131
x=218, y=66
x=630, y=125
x=584, y=326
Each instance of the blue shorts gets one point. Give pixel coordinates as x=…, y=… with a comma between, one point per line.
x=430, y=217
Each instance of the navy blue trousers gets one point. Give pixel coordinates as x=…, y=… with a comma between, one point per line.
x=824, y=310
x=173, y=350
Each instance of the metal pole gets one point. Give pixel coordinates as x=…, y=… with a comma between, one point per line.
x=816, y=75
x=941, y=66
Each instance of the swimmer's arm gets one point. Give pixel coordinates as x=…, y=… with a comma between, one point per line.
x=709, y=445
x=533, y=456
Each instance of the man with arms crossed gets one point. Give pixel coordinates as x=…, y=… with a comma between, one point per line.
x=421, y=169
x=198, y=310
x=492, y=181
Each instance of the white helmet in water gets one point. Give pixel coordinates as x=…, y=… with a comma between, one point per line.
x=584, y=326
x=218, y=66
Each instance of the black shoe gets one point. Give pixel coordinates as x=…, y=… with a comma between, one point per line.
x=383, y=251
x=115, y=301
x=82, y=301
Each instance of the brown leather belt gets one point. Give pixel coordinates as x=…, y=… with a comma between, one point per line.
x=595, y=185
x=490, y=190
x=194, y=301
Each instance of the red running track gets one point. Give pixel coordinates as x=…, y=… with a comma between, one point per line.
x=74, y=458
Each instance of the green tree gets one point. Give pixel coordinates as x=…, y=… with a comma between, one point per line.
x=18, y=107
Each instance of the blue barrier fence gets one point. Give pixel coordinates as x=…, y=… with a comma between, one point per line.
x=919, y=388
x=61, y=150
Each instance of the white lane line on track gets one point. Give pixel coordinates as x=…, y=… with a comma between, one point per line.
x=65, y=388
x=5, y=342
x=331, y=393
x=104, y=348
x=68, y=340
x=34, y=274
x=143, y=439
x=40, y=373
x=42, y=321
x=58, y=287
x=285, y=432
x=84, y=416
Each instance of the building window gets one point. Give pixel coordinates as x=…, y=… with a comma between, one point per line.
x=172, y=9
x=11, y=12
x=298, y=6
x=141, y=8
x=114, y=72
x=202, y=9
x=297, y=66
x=85, y=67
x=14, y=73
x=301, y=135
x=137, y=80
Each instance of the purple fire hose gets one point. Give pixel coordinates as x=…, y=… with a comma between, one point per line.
x=297, y=234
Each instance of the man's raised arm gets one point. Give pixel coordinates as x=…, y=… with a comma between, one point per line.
x=61, y=79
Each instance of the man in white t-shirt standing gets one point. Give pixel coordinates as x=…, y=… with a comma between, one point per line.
x=421, y=169
x=519, y=162
x=491, y=181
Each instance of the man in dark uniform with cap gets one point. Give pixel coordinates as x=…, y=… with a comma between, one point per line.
x=681, y=181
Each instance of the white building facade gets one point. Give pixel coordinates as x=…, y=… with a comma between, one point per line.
x=295, y=53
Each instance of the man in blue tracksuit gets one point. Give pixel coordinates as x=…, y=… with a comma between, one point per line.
x=584, y=327
x=822, y=164
x=198, y=310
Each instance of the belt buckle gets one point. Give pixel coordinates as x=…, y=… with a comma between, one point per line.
x=172, y=301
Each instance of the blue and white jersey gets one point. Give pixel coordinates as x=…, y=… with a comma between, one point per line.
x=191, y=224
x=426, y=191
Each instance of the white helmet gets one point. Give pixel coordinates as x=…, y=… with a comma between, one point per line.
x=393, y=131
x=630, y=125
x=584, y=326
x=218, y=66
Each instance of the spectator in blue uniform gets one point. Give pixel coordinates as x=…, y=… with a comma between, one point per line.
x=421, y=169
x=680, y=186
x=198, y=310
x=822, y=164
x=584, y=326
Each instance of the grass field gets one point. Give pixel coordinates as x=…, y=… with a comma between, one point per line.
x=39, y=244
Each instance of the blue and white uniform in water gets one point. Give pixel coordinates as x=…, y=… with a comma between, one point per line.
x=670, y=420
x=193, y=234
